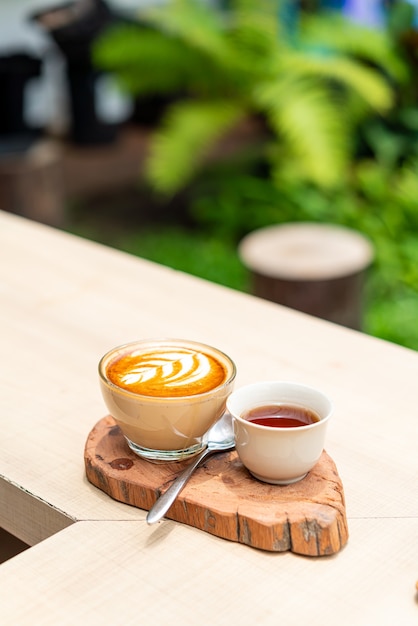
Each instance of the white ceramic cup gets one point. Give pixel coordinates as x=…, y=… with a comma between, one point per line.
x=279, y=455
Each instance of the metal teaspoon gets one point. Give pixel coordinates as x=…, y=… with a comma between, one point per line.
x=220, y=439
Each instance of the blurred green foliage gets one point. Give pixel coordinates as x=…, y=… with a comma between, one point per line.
x=339, y=104
x=379, y=202
x=196, y=252
x=310, y=86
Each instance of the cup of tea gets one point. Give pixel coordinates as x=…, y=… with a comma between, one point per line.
x=279, y=429
x=165, y=394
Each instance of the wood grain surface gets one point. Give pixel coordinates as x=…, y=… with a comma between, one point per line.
x=222, y=498
x=93, y=559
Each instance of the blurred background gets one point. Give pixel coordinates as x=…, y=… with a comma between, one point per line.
x=173, y=130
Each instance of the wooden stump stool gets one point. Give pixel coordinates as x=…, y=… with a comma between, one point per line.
x=315, y=268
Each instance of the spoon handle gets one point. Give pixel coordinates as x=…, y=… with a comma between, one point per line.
x=163, y=503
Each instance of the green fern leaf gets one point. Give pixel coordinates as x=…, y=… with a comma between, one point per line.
x=312, y=127
x=196, y=23
x=184, y=142
x=254, y=32
x=146, y=61
x=366, y=82
x=336, y=34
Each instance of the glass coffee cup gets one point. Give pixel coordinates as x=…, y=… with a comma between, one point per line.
x=165, y=394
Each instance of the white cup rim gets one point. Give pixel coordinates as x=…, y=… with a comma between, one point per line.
x=288, y=383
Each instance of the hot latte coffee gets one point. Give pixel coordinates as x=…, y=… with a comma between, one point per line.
x=165, y=394
x=166, y=371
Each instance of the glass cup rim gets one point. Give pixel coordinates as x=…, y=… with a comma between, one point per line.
x=160, y=340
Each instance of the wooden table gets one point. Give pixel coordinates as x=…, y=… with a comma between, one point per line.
x=64, y=302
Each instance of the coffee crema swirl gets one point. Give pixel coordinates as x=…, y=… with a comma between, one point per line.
x=167, y=372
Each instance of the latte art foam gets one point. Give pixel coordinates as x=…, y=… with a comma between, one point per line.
x=166, y=373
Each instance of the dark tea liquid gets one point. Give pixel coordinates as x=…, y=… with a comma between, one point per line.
x=281, y=416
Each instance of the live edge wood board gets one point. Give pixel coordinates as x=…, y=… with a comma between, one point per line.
x=222, y=498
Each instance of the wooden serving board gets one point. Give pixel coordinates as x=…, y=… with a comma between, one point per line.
x=222, y=498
